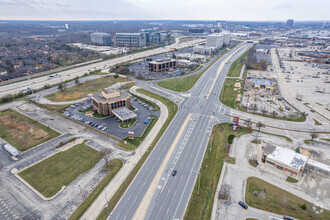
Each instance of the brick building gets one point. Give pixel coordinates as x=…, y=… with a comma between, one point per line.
x=162, y=65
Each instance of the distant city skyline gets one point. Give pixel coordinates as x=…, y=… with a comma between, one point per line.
x=234, y=10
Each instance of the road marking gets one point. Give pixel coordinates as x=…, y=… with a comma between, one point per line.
x=144, y=205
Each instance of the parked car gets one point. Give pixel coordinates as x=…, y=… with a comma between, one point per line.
x=245, y=206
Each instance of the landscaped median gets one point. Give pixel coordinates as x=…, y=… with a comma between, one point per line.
x=23, y=132
x=119, y=193
x=265, y=196
x=200, y=204
x=186, y=83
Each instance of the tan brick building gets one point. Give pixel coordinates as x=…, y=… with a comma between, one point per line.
x=162, y=65
x=104, y=102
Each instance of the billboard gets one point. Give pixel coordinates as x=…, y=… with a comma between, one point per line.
x=131, y=135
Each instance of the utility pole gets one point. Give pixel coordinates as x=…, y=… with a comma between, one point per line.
x=199, y=179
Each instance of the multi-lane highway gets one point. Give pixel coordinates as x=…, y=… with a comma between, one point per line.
x=181, y=148
x=40, y=82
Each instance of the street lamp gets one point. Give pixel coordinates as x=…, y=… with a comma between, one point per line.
x=199, y=178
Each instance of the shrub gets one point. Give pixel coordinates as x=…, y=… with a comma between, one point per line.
x=303, y=207
x=231, y=138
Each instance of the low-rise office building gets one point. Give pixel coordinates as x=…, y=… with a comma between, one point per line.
x=108, y=100
x=103, y=39
x=162, y=65
x=130, y=40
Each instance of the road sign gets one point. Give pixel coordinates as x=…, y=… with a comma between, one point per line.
x=131, y=135
x=235, y=120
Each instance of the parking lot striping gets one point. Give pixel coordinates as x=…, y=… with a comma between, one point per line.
x=144, y=205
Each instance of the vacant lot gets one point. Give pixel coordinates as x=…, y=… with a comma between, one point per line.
x=200, y=205
x=23, y=132
x=81, y=91
x=265, y=196
x=50, y=175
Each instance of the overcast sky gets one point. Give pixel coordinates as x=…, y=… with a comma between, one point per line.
x=248, y=10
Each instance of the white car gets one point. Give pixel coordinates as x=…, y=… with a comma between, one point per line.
x=312, y=128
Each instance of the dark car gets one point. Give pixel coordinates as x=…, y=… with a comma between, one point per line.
x=174, y=172
x=312, y=110
x=243, y=205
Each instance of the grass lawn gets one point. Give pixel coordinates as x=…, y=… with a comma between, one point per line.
x=51, y=174
x=200, y=205
x=81, y=91
x=229, y=92
x=127, y=85
x=185, y=39
x=23, y=132
x=278, y=135
x=115, y=166
x=316, y=122
x=265, y=196
x=127, y=124
x=185, y=83
x=236, y=66
x=171, y=113
x=291, y=180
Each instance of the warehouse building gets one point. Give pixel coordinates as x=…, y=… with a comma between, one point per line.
x=108, y=100
x=103, y=39
x=130, y=40
x=162, y=65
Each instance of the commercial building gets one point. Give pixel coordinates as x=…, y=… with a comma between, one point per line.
x=196, y=31
x=108, y=100
x=202, y=49
x=153, y=36
x=185, y=63
x=103, y=39
x=218, y=40
x=130, y=40
x=161, y=65
x=284, y=159
x=289, y=23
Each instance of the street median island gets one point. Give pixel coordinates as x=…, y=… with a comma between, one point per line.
x=22, y=132
x=50, y=175
x=81, y=91
x=265, y=196
x=200, y=204
x=184, y=84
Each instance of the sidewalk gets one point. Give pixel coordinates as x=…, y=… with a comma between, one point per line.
x=97, y=206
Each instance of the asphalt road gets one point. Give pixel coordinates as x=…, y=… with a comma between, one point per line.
x=171, y=199
x=40, y=82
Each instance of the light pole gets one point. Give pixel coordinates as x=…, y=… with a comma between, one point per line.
x=199, y=179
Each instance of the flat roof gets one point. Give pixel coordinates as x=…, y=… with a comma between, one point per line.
x=124, y=114
x=319, y=165
x=288, y=157
x=135, y=34
x=100, y=98
x=101, y=34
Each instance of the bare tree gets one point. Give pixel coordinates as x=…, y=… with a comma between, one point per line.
x=314, y=135
x=274, y=113
x=255, y=108
x=76, y=81
x=303, y=114
x=264, y=111
x=260, y=125
x=106, y=154
x=248, y=122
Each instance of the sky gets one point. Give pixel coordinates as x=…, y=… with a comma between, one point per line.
x=233, y=10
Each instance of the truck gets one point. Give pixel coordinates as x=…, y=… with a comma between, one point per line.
x=10, y=149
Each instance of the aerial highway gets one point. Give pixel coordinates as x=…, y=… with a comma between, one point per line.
x=40, y=82
x=181, y=148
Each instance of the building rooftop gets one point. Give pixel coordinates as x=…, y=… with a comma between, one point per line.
x=288, y=157
x=269, y=148
x=110, y=95
x=159, y=61
x=124, y=114
x=101, y=34
x=135, y=34
x=319, y=165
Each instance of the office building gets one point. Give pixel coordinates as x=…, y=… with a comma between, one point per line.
x=162, y=65
x=218, y=40
x=108, y=100
x=153, y=36
x=103, y=39
x=196, y=31
x=289, y=23
x=130, y=40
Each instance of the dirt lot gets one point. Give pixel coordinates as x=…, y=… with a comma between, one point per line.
x=81, y=91
x=23, y=132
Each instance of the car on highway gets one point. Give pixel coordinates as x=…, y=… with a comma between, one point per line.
x=286, y=217
x=312, y=110
x=312, y=128
x=245, y=206
x=174, y=172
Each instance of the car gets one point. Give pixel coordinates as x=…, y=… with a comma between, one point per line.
x=286, y=217
x=174, y=172
x=146, y=122
x=287, y=108
x=245, y=206
x=312, y=128
x=312, y=110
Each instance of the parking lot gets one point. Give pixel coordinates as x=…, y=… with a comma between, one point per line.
x=110, y=125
